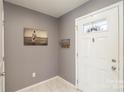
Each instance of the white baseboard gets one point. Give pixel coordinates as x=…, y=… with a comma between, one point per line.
x=67, y=82
x=45, y=81
x=42, y=82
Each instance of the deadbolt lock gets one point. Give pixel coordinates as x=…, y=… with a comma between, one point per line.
x=113, y=60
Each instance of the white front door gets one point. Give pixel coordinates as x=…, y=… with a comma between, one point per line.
x=98, y=49
x=2, y=74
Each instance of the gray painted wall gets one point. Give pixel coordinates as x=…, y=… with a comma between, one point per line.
x=67, y=30
x=22, y=60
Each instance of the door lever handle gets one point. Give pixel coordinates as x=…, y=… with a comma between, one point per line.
x=114, y=68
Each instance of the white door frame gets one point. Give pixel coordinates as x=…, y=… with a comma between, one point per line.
x=119, y=5
x=3, y=55
x=2, y=38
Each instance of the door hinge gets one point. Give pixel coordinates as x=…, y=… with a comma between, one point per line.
x=3, y=59
x=77, y=81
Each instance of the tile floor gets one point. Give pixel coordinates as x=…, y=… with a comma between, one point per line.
x=54, y=85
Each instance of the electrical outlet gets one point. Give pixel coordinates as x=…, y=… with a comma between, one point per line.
x=33, y=74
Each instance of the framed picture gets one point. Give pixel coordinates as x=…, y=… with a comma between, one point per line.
x=65, y=43
x=34, y=37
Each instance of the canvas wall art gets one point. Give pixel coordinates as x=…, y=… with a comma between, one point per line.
x=34, y=37
x=65, y=43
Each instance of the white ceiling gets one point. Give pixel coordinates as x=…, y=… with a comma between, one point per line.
x=55, y=8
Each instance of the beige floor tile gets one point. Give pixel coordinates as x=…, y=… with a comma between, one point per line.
x=55, y=85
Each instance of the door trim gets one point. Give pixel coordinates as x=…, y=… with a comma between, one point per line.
x=119, y=5
x=2, y=38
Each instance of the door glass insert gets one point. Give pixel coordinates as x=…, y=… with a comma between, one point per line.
x=87, y=27
x=97, y=26
x=101, y=25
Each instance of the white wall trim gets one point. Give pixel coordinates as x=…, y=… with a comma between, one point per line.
x=121, y=38
x=45, y=81
x=121, y=46
x=2, y=44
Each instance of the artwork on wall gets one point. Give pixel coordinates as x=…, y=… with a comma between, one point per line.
x=65, y=43
x=35, y=37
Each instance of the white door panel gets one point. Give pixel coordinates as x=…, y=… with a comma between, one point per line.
x=98, y=52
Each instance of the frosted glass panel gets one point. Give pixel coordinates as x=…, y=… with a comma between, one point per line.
x=87, y=27
x=101, y=25
x=97, y=26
